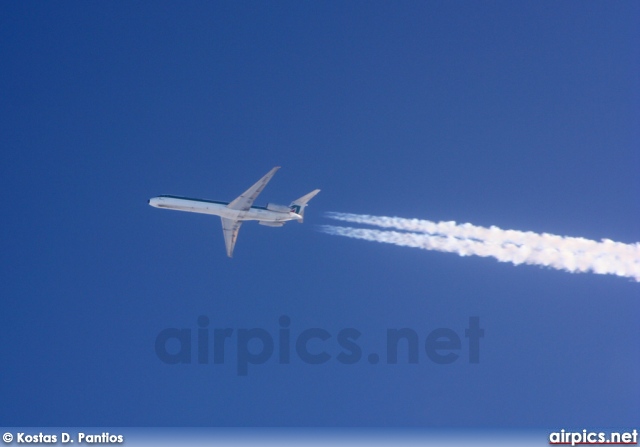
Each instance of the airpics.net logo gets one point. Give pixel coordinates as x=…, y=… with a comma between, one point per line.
x=283, y=344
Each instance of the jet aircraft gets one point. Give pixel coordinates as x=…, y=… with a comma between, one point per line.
x=237, y=211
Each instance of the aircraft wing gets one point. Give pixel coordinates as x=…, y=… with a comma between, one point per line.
x=230, y=230
x=244, y=202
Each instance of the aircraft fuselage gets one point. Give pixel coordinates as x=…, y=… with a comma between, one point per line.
x=216, y=208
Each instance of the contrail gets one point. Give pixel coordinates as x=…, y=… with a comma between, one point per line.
x=572, y=254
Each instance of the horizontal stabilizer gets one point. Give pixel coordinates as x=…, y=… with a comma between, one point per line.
x=304, y=199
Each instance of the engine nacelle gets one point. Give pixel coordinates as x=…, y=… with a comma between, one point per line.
x=267, y=223
x=278, y=208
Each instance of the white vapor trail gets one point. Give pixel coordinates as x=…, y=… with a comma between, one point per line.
x=573, y=254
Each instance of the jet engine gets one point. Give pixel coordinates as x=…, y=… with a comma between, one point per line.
x=278, y=208
x=267, y=223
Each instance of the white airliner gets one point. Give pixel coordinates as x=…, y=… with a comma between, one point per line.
x=241, y=209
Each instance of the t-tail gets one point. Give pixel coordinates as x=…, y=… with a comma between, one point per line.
x=298, y=205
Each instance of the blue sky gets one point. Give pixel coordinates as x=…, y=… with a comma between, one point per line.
x=522, y=115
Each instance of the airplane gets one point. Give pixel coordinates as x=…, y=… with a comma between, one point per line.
x=237, y=211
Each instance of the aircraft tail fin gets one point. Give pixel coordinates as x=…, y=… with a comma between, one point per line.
x=298, y=205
